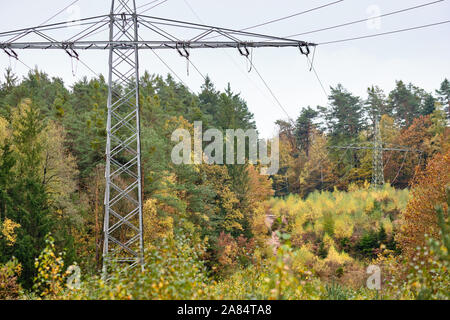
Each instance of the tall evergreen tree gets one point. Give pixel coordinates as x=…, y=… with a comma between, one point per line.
x=344, y=116
x=405, y=101
x=209, y=101
x=304, y=128
x=30, y=207
x=444, y=96
x=428, y=105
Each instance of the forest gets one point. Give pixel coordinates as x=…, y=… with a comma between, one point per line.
x=226, y=231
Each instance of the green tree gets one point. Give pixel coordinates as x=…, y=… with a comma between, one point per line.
x=29, y=199
x=304, y=128
x=444, y=96
x=405, y=101
x=429, y=105
x=344, y=116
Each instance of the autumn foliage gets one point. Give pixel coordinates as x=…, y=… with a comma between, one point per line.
x=420, y=217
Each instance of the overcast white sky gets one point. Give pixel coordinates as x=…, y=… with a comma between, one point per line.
x=420, y=56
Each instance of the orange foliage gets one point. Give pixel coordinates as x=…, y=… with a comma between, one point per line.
x=428, y=191
x=260, y=187
x=400, y=166
x=232, y=252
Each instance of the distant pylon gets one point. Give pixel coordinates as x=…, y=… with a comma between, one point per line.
x=378, y=167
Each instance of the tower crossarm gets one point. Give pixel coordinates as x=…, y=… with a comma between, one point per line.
x=104, y=45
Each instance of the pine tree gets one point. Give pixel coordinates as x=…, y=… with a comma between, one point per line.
x=304, y=128
x=209, y=101
x=444, y=96
x=345, y=115
x=405, y=101
x=428, y=105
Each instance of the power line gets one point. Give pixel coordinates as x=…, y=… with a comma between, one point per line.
x=12, y=33
x=54, y=16
x=385, y=33
x=287, y=17
x=317, y=76
x=253, y=66
x=89, y=68
x=193, y=11
x=31, y=69
x=49, y=19
x=366, y=19
x=147, y=4
x=270, y=91
x=196, y=69
x=153, y=6
x=104, y=21
x=171, y=37
x=226, y=53
x=170, y=69
x=293, y=15
x=228, y=31
x=63, y=24
x=401, y=167
x=59, y=12
x=328, y=28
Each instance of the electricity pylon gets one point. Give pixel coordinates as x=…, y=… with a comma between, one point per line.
x=123, y=221
x=377, y=166
x=377, y=156
x=123, y=193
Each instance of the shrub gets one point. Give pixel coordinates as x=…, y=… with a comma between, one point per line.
x=173, y=270
x=49, y=280
x=9, y=287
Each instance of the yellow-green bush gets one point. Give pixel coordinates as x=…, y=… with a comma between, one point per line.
x=344, y=213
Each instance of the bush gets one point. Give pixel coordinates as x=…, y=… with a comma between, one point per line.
x=50, y=277
x=173, y=270
x=9, y=287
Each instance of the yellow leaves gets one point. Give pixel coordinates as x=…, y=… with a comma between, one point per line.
x=18, y=113
x=338, y=258
x=7, y=229
x=343, y=227
x=156, y=227
x=328, y=241
x=388, y=226
x=420, y=216
x=5, y=132
x=260, y=187
x=303, y=259
x=369, y=207
x=59, y=166
x=50, y=277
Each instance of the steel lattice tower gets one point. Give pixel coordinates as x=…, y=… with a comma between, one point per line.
x=378, y=148
x=377, y=162
x=123, y=225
